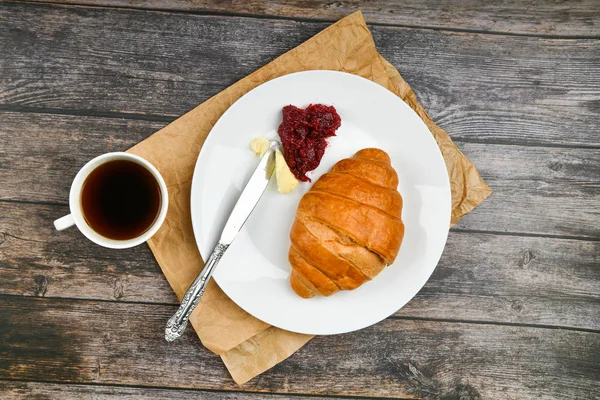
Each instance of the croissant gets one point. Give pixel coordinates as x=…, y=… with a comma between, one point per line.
x=347, y=226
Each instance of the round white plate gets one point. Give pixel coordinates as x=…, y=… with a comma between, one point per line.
x=254, y=271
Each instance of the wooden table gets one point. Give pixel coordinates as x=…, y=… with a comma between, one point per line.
x=512, y=310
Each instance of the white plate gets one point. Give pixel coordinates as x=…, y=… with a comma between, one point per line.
x=254, y=271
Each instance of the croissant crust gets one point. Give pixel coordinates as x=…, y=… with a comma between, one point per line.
x=347, y=226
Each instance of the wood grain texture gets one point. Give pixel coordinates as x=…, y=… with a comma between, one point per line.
x=537, y=190
x=537, y=17
x=481, y=277
x=35, y=260
x=71, y=341
x=87, y=321
x=21, y=390
x=40, y=154
x=494, y=88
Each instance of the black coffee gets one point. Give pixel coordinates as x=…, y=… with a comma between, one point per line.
x=120, y=199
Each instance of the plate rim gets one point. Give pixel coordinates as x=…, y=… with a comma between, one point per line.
x=318, y=72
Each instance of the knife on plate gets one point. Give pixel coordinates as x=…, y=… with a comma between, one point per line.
x=242, y=209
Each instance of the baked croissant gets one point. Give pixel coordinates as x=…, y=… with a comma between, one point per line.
x=347, y=226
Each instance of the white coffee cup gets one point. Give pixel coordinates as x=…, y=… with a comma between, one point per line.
x=76, y=217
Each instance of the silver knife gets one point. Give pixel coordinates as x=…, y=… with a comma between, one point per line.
x=242, y=209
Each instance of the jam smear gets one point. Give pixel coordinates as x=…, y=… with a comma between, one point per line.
x=303, y=134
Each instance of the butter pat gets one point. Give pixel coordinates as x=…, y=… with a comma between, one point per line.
x=259, y=145
x=286, y=181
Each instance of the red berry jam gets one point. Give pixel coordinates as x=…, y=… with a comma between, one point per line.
x=303, y=134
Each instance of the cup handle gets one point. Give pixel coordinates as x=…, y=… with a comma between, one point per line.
x=65, y=222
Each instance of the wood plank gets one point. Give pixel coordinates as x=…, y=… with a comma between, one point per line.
x=537, y=190
x=481, y=277
x=16, y=390
x=40, y=154
x=478, y=87
x=104, y=343
x=35, y=260
x=531, y=183
x=537, y=17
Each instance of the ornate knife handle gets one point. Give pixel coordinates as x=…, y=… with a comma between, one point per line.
x=179, y=320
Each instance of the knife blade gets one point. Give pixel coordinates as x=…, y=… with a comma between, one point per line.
x=241, y=211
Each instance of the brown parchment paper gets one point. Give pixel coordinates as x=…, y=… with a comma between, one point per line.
x=246, y=345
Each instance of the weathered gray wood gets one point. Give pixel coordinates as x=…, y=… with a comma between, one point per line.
x=481, y=88
x=40, y=154
x=478, y=87
x=35, y=260
x=481, y=277
x=538, y=190
x=16, y=390
x=538, y=17
x=513, y=279
x=100, y=342
x=502, y=89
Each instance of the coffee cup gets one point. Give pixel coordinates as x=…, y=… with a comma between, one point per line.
x=117, y=200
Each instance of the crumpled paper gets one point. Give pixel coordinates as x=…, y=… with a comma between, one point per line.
x=247, y=345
